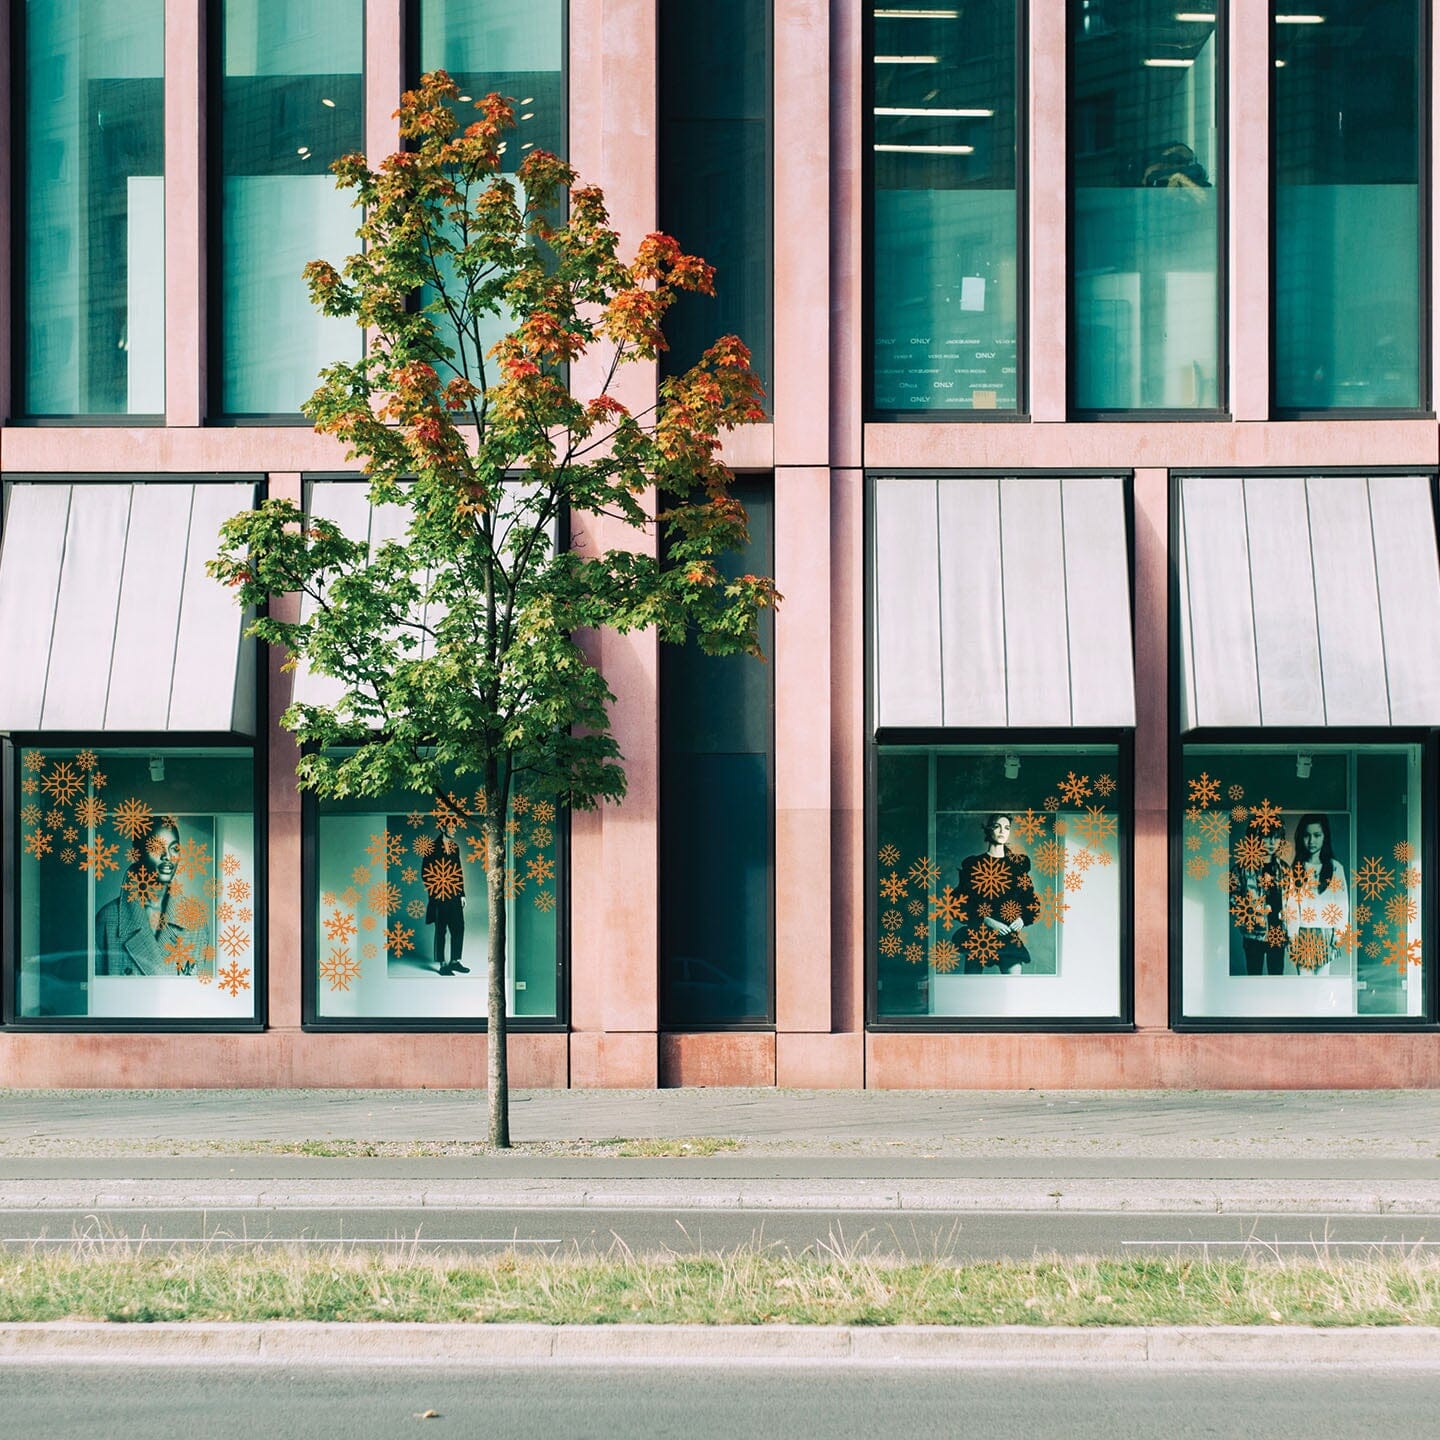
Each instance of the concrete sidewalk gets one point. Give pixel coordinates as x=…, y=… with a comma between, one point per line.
x=1186, y=1152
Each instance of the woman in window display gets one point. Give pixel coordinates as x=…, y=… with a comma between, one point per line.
x=149, y=928
x=1002, y=901
x=1257, y=888
x=1317, y=908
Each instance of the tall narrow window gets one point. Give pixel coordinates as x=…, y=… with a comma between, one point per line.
x=1345, y=116
x=716, y=783
x=515, y=48
x=715, y=149
x=1145, y=199
x=291, y=101
x=945, y=245
x=92, y=229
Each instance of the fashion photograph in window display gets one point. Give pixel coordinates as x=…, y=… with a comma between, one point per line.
x=136, y=886
x=989, y=909
x=1300, y=892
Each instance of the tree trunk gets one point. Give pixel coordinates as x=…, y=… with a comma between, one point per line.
x=497, y=1071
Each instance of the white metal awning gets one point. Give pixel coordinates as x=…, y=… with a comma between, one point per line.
x=108, y=621
x=1001, y=603
x=1308, y=601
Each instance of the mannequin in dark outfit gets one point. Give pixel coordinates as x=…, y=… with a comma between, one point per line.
x=1003, y=904
x=448, y=914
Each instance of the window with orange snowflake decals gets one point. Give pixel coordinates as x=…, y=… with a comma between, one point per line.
x=119, y=921
x=1319, y=900
x=1014, y=854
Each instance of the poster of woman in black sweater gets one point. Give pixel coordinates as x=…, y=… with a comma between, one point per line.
x=1002, y=902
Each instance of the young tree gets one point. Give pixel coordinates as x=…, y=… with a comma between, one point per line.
x=456, y=644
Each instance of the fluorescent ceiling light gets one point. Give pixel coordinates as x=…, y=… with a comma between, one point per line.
x=1299, y=19
x=907, y=59
x=1279, y=64
x=928, y=149
x=917, y=14
x=1164, y=64
x=1198, y=17
x=941, y=114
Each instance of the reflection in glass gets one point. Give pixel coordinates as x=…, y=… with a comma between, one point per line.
x=1144, y=163
x=400, y=922
x=94, y=207
x=715, y=171
x=1302, y=893
x=716, y=781
x=997, y=881
x=945, y=242
x=291, y=102
x=1345, y=116
x=515, y=48
x=137, y=884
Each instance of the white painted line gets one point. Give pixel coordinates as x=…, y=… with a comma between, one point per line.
x=410, y=1240
x=1319, y=1242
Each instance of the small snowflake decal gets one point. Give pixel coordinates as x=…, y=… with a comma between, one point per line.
x=233, y=979
x=1265, y=817
x=1204, y=790
x=1104, y=784
x=924, y=872
x=948, y=908
x=982, y=945
x=444, y=879
x=990, y=876
x=545, y=900
x=99, y=857
x=889, y=944
x=399, y=939
x=339, y=926
x=892, y=887
x=945, y=956
x=1074, y=788
x=38, y=843
x=1029, y=825
x=1250, y=852
x=234, y=941
x=90, y=811
x=1372, y=879
x=62, y=784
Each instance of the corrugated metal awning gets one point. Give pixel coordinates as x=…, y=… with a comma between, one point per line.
x=1308, y=602
x=108, y=621
x=1001, y=603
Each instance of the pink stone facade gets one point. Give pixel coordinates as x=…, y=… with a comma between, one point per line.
x=818, y=448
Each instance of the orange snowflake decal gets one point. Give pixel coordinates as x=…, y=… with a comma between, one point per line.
x=141, y=886
x=30, y=814
x=383, y=897
x=339, y=926
x=1404, y=852
x=190, y=912
x=1401, y=909
x=415, y=819
x=1049, y=857
x=180, y=953
x=544, y=812
x=238, y=890
x=982, y=945
x=1265, y=817
x=34, y=762
x=132, y=818
x=230, y=864
x=1010, y=912
x=1235, y=792
x=545, y=900
x=1402, y=952
x=67, y=856
x=1095, y=826
x=948, y=908
x=915, y=953
x=1275, y=937
x=889, y=856
x=415, y=909
x=892, y=887
x=224, y=911
x=444, y=879
x=234, y=941
x=479, y=847
x=1204, y=790
x=1051, y=802
x=1028, y=826
x=1104, y=784
x=233, y=979
x=385, y=849
x=924, y=872
x=30, y=786
x=1214, y=827
x=409, y=875
x=62, y=784
x=890, y=944
x=192, y=858
x=541, y=835
x=1309, y=950
x=1074, y=788
x=367, y=922
x=360, y=875
x=422, y=845
x=1053, y=906
x=891, y=920
x=945, y=956
x=990, y=876
x=1249, y=912
x=399, y=939
x=1239, y=814
x=99, y=857
x=1250, y=852
x=514, y=886
x=540, y=869
x=38, y=843
x=339, y=968
x=1372, y=879
x=90, y=811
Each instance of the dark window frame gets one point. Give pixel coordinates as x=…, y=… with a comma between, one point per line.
x=1220, y=411
x=871, y=412
x=1425, y=409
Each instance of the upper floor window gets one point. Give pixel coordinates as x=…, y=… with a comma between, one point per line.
x=1145, y=161
x=91, y=217
x=944, y=242
x=1345, y=111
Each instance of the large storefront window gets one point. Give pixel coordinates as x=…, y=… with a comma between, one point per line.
x=1345, y=107
x=291, y=101
x=1144, y=158
x=945, y=251
x=93, y=237
x=1302, y=889
x=137, y=884
x=400, y=908
x=997, y=881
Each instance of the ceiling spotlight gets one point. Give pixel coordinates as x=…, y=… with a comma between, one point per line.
x=1303, y=763
x=1012, y=766
x=327, y=102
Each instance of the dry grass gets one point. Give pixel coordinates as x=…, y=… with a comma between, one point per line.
x=840, y=1285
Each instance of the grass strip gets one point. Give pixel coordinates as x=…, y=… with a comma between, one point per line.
x=836, y=1287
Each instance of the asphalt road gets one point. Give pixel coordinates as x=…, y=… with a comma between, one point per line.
x=42, y=1402
x=915, y=1234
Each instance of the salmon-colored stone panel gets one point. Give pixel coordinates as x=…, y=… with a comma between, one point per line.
x=820, y=1062
x=717, y=1058
x=601, y=1061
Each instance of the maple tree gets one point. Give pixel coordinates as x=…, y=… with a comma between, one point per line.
x=455, y=644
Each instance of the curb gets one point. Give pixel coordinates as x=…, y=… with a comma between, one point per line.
x=323, y=1344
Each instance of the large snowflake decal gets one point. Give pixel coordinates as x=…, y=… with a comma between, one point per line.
x=479, y=846
x=449, y=814
x=982, y=945
x=1095, y=826
x=141, y=885
x=540, y=869
x=339, y=926
x=1402, y=952
x=1265, y=817
x=191, y=912
x=890, y=944
x=34, y=762
x=990, y=876
x=892, y=887
x=444, y=879
x=99, y=857
x=38, y=843
x=1309, y=951
x=233, y=979
x=1401, y=909
x=192, y=858
x=132, y=818
x=1214, y=826
x=62, y=784
x=1049, y=856
x=399, y=939
x=1204, y=790
x=945, y=956
x=924, y=872
x=1249, y=912
x=339, y=968
x=1074, y=788
x=1052, y=906
x=234, y=941
x=180, y=953
x=1372, y=879
x=1250, y=852
x=90, y=811
x=383, y=897
x=1028, y=825
x=948, y=908
x=544, y=812
x=422, y=845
